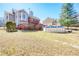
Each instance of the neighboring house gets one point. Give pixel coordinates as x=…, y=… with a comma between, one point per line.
x=49, y=21
x=17, y=16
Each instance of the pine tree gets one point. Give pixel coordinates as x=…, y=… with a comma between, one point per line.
x=67, y=17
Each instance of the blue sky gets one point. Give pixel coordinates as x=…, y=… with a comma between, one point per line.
x=41, y=10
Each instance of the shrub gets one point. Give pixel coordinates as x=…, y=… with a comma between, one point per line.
x=11, y=27
x=21, y=27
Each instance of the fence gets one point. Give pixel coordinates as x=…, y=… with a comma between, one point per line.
x=54, y=29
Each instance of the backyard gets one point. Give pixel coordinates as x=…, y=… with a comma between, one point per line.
x=39, y=43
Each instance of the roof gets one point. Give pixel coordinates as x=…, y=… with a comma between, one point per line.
x=22, y=10
x=11, y=11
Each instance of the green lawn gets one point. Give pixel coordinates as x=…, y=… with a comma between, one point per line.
x=39, y=43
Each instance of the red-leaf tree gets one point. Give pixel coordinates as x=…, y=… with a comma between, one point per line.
x=38, y=27
x=33, y=24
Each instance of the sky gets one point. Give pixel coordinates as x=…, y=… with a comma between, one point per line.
x=41, y=10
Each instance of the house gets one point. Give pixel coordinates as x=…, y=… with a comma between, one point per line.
x=17, y=16
x=49, y=21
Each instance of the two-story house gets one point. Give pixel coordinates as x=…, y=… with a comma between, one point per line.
x=17, y=16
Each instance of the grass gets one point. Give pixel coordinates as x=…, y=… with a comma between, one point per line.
x=38, y=43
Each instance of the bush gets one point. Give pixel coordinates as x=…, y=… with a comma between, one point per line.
x=10, y=27
x=21, y=27
x=30, y=26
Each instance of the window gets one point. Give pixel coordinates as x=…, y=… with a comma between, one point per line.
x=6, y=17
x=23, y=16
x=20, y=16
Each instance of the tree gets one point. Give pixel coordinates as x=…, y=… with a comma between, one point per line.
x=34, y=20
x=34, y=23
x=67, y=17
x=31, y=26
x=38, y=27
